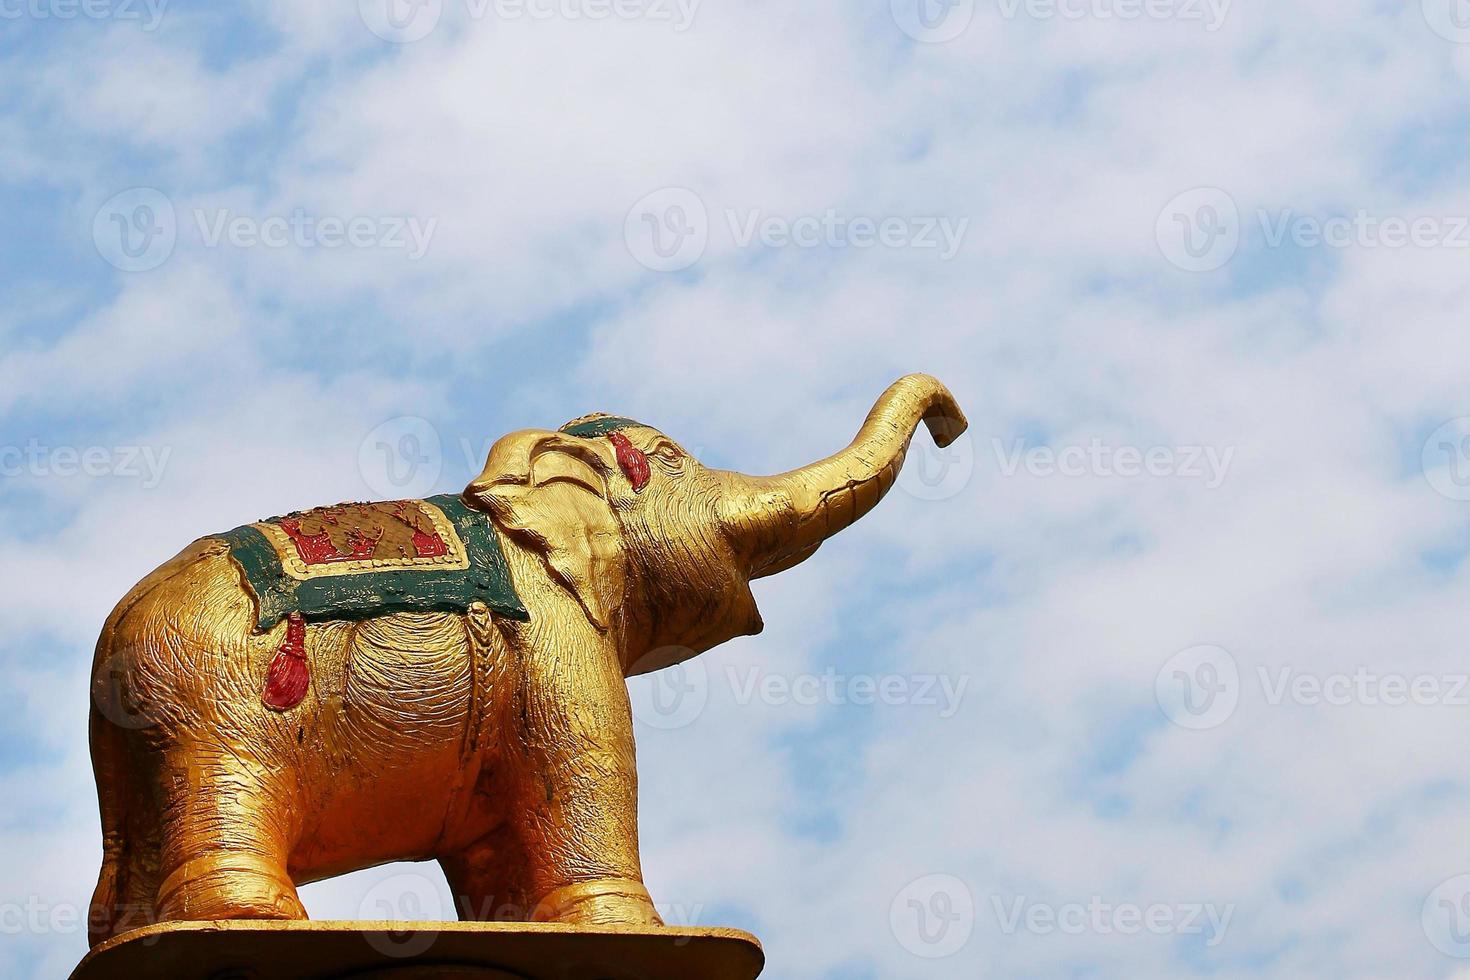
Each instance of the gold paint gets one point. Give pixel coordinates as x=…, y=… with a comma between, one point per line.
x=502, y=749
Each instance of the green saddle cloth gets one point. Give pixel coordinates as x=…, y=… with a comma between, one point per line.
x=355, y=561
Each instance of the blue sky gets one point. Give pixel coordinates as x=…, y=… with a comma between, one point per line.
x=1195, y=270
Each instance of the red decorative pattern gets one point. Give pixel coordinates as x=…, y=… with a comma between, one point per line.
x=318, y=549
x=631, y=461
x=287, y=678
x=359, y=532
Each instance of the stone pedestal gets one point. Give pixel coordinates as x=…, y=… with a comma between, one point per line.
x=264, y=950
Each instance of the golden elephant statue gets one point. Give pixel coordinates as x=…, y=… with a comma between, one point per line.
x=444, y=678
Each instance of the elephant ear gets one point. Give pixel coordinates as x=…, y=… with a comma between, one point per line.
x=576, y=534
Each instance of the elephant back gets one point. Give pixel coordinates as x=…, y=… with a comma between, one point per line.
x=354, y=561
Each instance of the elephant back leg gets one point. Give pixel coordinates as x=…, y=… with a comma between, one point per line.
x=488, y=879
x=226, y=840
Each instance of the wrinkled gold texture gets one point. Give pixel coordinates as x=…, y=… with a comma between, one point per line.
x=502, y=749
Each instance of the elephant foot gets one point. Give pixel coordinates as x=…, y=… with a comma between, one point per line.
x=229, y=885
x=606, y=902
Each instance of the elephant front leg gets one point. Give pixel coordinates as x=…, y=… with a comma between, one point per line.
x=576, y=812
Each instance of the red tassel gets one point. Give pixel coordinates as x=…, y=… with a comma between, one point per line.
x=631, y=461
x=287, y=679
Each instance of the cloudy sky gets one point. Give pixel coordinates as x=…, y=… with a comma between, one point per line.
x=1160, y=672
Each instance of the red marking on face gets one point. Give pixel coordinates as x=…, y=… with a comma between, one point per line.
x=287, y=678
x=631, y=461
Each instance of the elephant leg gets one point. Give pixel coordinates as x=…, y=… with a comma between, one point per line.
x=224, y=851
x=577, y=812
x=487, y=879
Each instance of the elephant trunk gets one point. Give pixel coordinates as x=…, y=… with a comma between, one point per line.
x=782, y=520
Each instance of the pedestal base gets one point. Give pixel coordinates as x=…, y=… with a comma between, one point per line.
x=267, y=950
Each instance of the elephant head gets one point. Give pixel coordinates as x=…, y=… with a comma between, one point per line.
x=653, y=543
